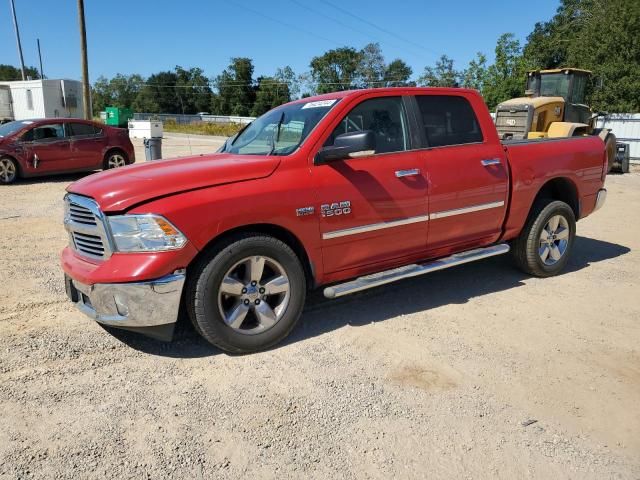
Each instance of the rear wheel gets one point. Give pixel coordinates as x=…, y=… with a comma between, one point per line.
x=247, y=296
x=544, y=245
x=114, y=160
x=8, y=170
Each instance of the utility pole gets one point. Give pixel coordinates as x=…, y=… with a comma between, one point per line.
x=15, y=26
x=40, y=57
x=86, y=96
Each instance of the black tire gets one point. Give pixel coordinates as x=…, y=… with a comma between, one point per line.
x=9, y=171
x=114, y=159
x=203, y=287
x=526, y=248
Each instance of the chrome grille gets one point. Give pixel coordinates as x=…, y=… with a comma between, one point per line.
x=81, y=214
x=513, y=123
x=86, y=226
x=88, y=244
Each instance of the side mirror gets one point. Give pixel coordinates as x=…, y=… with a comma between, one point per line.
x=348, y=145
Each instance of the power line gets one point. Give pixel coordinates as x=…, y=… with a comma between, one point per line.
x=339, y=22
x=377, y=27
x=289, y=25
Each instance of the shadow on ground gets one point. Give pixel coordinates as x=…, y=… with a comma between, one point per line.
x=454, y=286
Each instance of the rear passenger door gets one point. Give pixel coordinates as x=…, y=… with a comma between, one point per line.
x=468, y=176
x=87, y=144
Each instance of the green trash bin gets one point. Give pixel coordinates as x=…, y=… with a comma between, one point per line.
x=118, y=117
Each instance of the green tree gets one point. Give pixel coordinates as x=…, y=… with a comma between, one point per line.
x=9, y=73
x=193, y=90
x=159, y=95
x=608, y=44
x=270, y=94
x=398, y=74
x=336, y=70
x=505, y=79
x=120, y=91
x=475, y=75
x=441, y=75
x=549, y=43
x=293, y=81
x=236, y=92
x=371, y=70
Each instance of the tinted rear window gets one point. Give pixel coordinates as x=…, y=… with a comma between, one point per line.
x=78, y=129
x=448, y=120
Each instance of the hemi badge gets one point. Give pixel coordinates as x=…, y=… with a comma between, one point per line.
x=304, y=211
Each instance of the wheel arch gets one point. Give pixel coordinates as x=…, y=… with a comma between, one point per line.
x=272, y=230
x=559, y=188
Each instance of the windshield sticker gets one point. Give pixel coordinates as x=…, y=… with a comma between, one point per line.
x=320, y=103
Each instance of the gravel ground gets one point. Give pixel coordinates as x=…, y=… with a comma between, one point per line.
x=474, y=372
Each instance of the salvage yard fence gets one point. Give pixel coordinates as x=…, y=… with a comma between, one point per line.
x=187, y=119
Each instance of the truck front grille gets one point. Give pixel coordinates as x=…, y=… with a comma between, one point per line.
x=86, y=226
x=88, y=244
x=513, y=123
x=81, y=214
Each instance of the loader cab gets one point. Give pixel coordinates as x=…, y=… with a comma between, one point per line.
x=568, y=83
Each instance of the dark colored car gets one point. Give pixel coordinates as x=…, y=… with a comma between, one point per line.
x=30, y=148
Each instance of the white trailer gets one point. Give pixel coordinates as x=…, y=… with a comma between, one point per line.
x=6, y=110
x=45, y=99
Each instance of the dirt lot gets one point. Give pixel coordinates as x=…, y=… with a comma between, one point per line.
x=429, y=378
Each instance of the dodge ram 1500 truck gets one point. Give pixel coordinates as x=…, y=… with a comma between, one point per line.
x=348, y=190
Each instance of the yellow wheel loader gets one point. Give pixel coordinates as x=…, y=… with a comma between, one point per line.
x=553, y=106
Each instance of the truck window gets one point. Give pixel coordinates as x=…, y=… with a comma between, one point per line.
x=384, y=116
x=448, y=120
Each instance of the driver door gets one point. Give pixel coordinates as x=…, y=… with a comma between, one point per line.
x=373, y=209
x=47, y=148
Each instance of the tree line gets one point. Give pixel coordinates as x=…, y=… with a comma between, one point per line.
x=597, y=35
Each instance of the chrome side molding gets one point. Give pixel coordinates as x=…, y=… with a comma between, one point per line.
x=408, y=271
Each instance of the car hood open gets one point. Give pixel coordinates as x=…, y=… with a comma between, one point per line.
x=122, y=188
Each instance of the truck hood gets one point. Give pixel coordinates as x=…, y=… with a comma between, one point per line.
x=122, y=188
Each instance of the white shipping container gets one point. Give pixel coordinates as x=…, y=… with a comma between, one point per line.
x=46, y=99
x=145, y=129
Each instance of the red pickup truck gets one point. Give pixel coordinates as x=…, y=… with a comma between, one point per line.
x=349, y=190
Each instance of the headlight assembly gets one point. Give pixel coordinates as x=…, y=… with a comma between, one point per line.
x=144, y=233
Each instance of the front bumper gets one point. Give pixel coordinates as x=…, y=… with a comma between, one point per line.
x=130, y=305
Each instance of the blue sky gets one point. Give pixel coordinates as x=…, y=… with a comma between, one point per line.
x=146, y=36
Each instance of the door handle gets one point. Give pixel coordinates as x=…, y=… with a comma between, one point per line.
x=490, y=161
x=407, y=173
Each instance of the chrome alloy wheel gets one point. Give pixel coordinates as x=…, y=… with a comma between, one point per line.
x=254, y=295
x=116, y=160
x=554, y=240
x=7, y=171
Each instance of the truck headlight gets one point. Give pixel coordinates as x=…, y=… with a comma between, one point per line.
x=144, y=233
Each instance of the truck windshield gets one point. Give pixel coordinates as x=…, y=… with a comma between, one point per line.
x=11, y=127
x=554, y=85
x=279, y=131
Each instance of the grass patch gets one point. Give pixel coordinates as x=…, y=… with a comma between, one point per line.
x=203, y=128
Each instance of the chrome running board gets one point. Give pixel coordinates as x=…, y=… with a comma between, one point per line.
x=408, y=271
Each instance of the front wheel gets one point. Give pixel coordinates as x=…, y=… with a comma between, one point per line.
x=247, y=296
x=8, y=170
x=544, y=245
